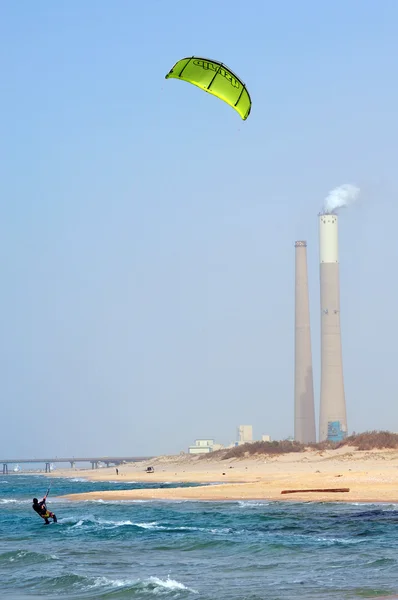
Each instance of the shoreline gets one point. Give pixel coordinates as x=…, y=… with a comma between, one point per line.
x=371, y=476
x=110, y=496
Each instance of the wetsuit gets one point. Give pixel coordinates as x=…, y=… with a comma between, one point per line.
x=41, y=509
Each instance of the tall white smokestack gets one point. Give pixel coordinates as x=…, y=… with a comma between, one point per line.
x=333, y=418
x=304, y=411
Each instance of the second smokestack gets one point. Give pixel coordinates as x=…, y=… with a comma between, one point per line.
x=304, y=411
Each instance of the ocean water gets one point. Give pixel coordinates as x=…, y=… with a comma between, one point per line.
x=191, y=550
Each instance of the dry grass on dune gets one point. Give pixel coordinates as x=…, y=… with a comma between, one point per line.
x=372, y=440
x=369, y=440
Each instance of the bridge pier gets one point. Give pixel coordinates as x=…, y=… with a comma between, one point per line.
x=94, y=464
x=5, y=469
x=48, y=470
x=72, y=464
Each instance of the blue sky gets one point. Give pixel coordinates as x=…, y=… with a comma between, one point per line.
x=147, y=232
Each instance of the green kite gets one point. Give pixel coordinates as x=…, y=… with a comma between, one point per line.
x=215, y=78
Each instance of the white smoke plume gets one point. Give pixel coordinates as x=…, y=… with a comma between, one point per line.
x=340, y=197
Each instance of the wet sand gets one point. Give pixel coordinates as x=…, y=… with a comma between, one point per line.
x=371, y=477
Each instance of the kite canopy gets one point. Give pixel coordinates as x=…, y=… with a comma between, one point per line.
x=215, y=78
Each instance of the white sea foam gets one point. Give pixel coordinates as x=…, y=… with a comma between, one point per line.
x=105, y=581
x=78, y=524
x=384, y=505
x=153, y=525
x=90, y=520
x=35, y=556
x=114, y=524
x=67, y=521
x=156, y=526
x=154, y=584
x=106, y=523
x=251, y=504
x=171, y=584
x=331, y=540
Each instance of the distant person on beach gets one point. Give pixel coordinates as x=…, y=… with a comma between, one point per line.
x=117, y=471
x=41, y=509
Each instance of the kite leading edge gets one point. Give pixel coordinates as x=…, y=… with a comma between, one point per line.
x=216, y=79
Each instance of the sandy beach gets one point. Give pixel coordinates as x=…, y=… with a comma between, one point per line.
x=371, y=476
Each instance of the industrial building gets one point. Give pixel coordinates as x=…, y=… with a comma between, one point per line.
x=202, y=446
x=244, y=434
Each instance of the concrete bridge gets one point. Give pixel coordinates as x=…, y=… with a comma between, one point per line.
x=107, y=460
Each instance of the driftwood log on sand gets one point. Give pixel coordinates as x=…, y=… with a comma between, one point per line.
x=318, y=490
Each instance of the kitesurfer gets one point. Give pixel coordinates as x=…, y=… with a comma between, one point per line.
x=41, y=509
